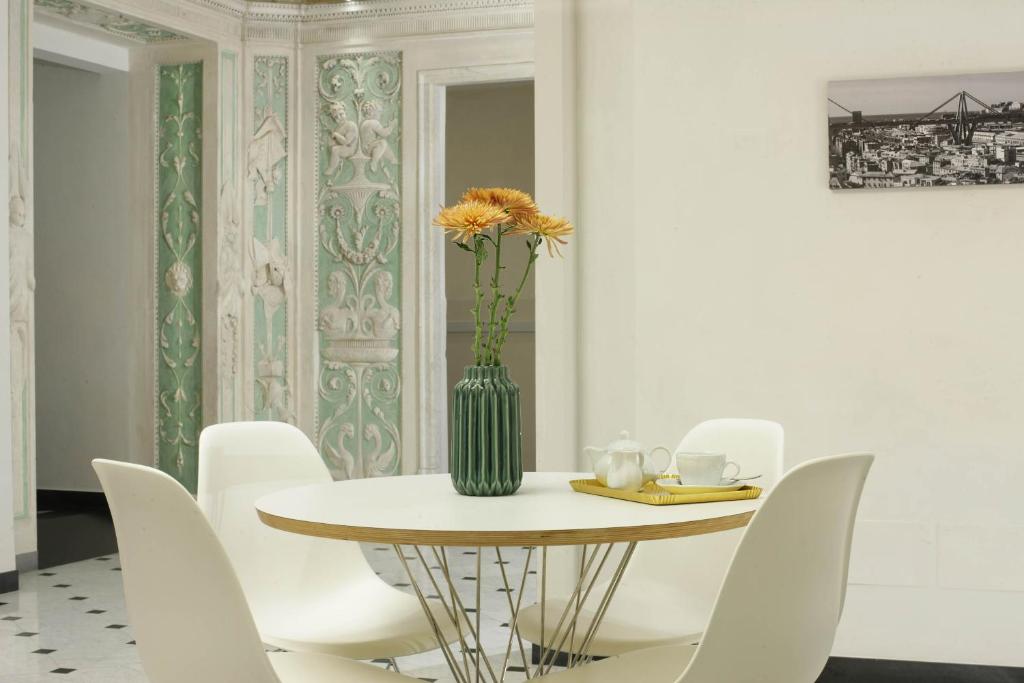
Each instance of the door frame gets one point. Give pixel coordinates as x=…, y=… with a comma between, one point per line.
x=431, y=304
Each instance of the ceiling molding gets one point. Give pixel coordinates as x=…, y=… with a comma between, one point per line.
x=100, y=18
x=352, y=22
x=458, y=17
x=209, y=19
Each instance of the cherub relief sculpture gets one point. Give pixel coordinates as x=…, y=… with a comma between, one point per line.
x=344, y=138
x=374, y=135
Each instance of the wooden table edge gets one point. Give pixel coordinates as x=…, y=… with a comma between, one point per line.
x=624, y=534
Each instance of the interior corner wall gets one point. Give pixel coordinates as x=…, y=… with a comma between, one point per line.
x=882, y=321
x=607, y=241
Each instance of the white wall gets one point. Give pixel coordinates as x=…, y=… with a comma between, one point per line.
x=7, y=551
x=489, y=142
x=721, y=277
x=89, y=359
x=60, y=45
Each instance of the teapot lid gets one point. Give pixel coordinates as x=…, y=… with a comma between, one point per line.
x=624, y=443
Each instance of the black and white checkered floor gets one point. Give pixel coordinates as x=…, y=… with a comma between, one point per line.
x=69, y=622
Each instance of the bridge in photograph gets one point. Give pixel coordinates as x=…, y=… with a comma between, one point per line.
x=961, y=125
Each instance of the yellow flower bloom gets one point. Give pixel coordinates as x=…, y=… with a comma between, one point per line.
x=469, y=218
x=551, y=228
x=517, y=204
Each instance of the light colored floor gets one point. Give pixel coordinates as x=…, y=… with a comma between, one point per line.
x=69, y=622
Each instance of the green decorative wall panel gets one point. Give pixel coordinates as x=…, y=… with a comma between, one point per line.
x=178, y=269
x=358, y=262
x=268, y=172
x=118, y=24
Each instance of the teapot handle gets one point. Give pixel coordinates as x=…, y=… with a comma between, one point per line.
x=668, y=455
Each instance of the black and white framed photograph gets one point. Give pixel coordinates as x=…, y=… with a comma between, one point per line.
x=926, y=131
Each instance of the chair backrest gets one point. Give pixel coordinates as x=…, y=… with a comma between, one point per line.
x=668, y=567
x=187, y=610
x=240, y=462
x=777, y=612
x=755, y=445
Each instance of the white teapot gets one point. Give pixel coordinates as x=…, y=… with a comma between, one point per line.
x=603, y=459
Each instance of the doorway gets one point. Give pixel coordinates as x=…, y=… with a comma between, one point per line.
x=88, y=332
x=489, y=142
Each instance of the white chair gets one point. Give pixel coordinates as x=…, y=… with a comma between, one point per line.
x=306, y=594
x=776, y=616
x=186, y=607
x=678, y=576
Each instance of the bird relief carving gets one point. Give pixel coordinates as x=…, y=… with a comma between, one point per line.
x=266, y=150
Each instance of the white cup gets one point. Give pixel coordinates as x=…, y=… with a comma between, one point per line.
x=704, y=469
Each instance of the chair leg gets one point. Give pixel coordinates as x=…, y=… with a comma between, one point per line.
x=393, y=664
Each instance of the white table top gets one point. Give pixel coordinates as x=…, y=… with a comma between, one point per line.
x=426, y=510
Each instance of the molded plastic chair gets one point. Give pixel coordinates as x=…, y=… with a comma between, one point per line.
x=776, y=615
x=680, y=576
x=187, y=609
x=306, y=594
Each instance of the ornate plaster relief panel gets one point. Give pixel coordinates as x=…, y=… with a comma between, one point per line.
x=230, y=278
x=178, y=269
x=272, y=281
x=107, y=20
x=357, y=140
x=22, y=271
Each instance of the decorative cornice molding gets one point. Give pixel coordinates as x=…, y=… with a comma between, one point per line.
x=209, y=19
x=354, y=22
x=116, y=23
x=360, y=20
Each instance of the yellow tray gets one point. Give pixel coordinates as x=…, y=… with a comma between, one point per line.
x=652, y=494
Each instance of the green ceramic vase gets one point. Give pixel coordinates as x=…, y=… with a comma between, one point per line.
x=486, y=452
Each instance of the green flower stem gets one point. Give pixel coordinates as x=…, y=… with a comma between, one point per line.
x=478, y=254
x=496, y=296
x=510, y=306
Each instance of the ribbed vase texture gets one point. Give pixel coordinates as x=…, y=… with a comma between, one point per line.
x=486, y=453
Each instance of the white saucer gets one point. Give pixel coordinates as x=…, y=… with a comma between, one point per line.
x=673, y=486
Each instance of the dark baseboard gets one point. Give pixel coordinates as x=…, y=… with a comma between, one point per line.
x=70, y=501
x=73, y=526
x=26, y=562
x=853, y=670
x=9, y=581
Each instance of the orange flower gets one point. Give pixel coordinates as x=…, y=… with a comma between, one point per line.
x=551, y=228
x=517, y=204
x=469, y=218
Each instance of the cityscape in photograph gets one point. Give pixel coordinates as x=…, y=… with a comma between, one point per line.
x=964, y=140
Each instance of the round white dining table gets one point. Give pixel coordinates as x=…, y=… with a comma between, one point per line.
x=425, y=512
